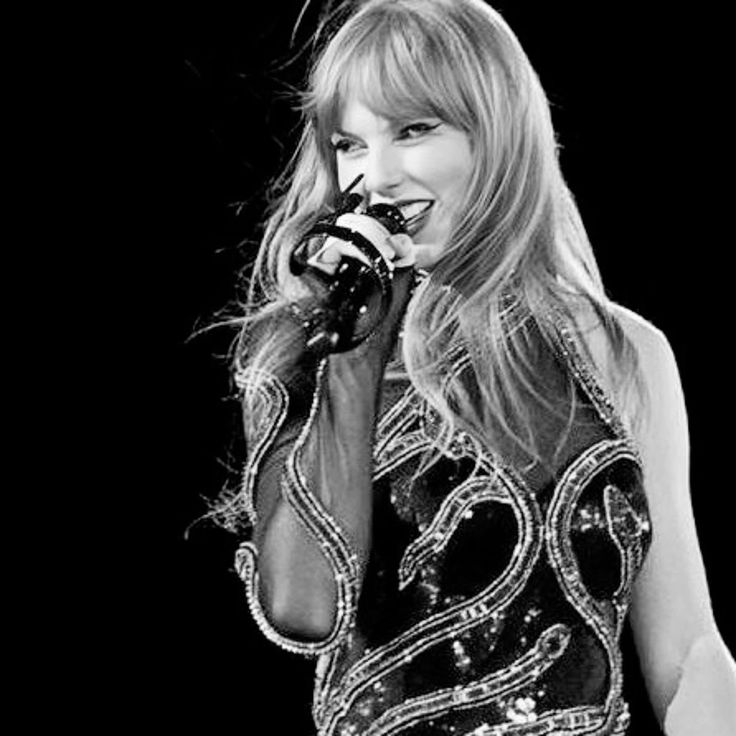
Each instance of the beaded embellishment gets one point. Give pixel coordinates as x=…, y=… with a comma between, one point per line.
x=361, y=690
x=356, y=699
x=268, y=403
x=604, y=620
x=587, y=379
x=550, y=646
x=447, y=624
x=322, y=526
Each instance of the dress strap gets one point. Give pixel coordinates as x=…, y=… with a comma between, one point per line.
x=588, y=377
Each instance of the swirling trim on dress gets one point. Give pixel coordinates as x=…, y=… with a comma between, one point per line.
x=450, y=623
x=588, y=380
x=405, y=446
x=562, y=557
x=341, y=558
x=266, y=404
x=549, y=647
x=392, y=424
x=626, y=528
x=393, y=448
x=577, y=721
x=446, y=520
x=323, y=674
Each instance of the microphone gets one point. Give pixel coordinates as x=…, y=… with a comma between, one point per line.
x=349, y=304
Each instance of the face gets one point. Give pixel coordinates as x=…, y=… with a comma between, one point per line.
x=424, y=160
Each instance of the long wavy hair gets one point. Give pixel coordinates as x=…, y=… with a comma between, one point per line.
x=518, y=250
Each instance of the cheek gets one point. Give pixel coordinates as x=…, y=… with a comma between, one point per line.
x=347, y=170
x=449, y=172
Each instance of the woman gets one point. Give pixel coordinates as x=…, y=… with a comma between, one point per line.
x=457, y=514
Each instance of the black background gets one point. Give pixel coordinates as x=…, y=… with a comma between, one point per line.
x=632, y=97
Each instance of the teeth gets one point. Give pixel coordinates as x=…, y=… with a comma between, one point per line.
x=412, y=209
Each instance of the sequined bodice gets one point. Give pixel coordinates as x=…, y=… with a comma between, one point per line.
x=494, y=599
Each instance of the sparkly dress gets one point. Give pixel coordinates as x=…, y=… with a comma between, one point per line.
x=495, y=595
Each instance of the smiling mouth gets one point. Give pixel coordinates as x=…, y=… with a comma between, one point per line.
x=415, y=213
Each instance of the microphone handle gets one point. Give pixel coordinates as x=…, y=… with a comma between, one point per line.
x=351, y=309
x=357, y=297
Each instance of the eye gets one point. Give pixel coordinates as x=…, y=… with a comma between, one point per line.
x=417, y=130
x=343, y=145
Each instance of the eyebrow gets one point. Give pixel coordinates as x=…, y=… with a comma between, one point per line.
x=393, y=125
x=345, y=133
x=348, y=134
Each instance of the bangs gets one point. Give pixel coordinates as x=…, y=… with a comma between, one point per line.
x=397, y=69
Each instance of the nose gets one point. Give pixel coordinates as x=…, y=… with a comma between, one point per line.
x=383, y=172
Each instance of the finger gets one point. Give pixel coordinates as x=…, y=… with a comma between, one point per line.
x=328, y=252
x=328, y=268
x=403, y=248
x=343, y=248
x=332, y=252
x=325, y=258
x=370, y=229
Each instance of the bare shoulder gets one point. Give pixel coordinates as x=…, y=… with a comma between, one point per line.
x=655, y=358
x=650, y=342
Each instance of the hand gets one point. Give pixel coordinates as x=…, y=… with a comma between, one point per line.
x=397, y=250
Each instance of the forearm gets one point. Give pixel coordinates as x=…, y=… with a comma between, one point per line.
x=308, y=486
x=705, y=699
x=298, y=585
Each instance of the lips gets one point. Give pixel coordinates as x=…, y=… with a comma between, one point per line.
x=412, y=208
x=415, y=213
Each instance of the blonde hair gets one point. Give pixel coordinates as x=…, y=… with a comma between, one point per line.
x=518, y=249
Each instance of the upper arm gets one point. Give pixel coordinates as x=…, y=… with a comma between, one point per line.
x=671, y=604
